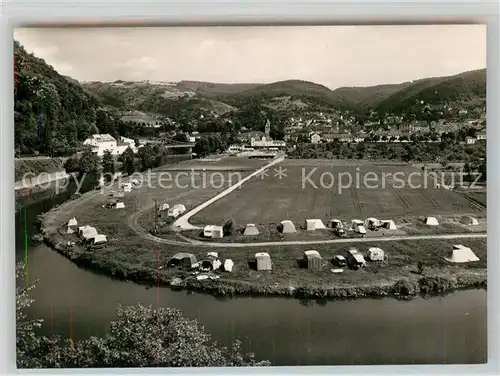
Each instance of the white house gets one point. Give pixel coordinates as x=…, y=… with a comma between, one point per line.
x=470, y=140
x=264, y=143
x=315, y=138
x=124, y=144
x=101, y=142
x=481, y=136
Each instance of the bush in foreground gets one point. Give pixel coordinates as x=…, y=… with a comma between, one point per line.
x=139, y=337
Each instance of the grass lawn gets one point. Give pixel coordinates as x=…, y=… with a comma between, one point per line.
x=137, y=258
x=376, y=191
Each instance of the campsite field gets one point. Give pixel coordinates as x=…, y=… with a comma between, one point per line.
x=306, y=190
x=130, y=254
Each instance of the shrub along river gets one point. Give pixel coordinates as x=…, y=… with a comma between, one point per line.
x=437, y=330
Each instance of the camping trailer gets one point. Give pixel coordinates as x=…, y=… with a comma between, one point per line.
x=263, y=261
x=372, y=223
x=355, y=259
x=214, y=232
x=183, y=260
x=313, y=260
x=461, y=254
x=287, y=227
x=336, y=223
x=355, y=223
x=120, y=205
x=176, y=210
x=314, y=224
x=251, y=230
x=375, y=254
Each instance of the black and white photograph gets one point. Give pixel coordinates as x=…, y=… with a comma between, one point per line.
x=250, y=196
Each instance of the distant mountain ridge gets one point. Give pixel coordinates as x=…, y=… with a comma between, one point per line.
x=464, y=87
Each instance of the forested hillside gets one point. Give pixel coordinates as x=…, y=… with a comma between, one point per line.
x=467, y=87
x=53, y=114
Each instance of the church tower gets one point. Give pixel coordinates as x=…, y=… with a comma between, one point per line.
x=267, y=129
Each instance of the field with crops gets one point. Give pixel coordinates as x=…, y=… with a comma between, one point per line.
x=301, y=189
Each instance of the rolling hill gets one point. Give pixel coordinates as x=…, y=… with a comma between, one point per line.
x=468, y=87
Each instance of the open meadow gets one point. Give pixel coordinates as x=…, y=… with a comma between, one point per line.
x=345, y=190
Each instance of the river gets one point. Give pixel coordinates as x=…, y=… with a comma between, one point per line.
x=439, y=330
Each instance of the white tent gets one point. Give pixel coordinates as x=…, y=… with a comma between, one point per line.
x=69, y=230
x=211, y=231
x=461, y=254
x=251, y=229
x=72, y=222
x=469, y=220
x=120, y=205
x=228, y=265
x=431, y=221
x=176, y=210
x=127, y=187
x=288, y=227
x=100, y=239
x=314, y=224
x=82, y=229
x=89, y=234
x=336, y=223
x=389, y=224
x=356, y=223
x=164, y=206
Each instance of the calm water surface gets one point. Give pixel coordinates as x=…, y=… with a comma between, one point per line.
x=438, y=330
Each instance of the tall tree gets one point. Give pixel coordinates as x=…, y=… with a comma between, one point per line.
x=108, y=165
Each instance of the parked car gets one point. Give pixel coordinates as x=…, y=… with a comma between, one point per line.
x=340, y=260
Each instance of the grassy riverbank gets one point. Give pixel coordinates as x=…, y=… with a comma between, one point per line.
x=133, y=255
x=399, y=279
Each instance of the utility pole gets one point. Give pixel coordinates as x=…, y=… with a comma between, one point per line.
x=156, y=217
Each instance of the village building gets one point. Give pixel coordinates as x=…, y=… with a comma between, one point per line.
x=105, y=142
x=470, y=140
x=315, y=138
x=481, y=136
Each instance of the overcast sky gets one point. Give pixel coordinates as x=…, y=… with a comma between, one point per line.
x=334, y=56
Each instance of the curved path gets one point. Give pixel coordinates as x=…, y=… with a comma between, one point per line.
x=182, y=223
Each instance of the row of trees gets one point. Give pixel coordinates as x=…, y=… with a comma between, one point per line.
x=417, y=152
x=139, y=337
x=147, y=157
